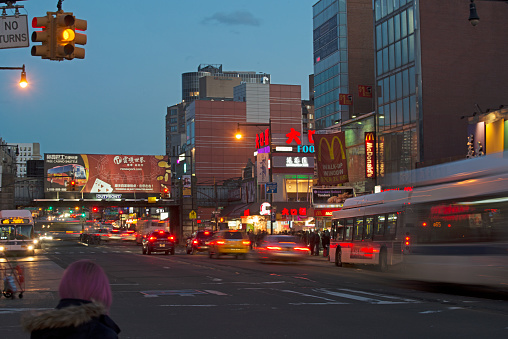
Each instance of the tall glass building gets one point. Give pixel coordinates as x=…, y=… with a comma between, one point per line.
x=343, y=59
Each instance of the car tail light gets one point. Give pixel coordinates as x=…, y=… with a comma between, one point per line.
x=273, y=248
x=220, y=242
x=301, y=249
x=130, y=231
x=195, y=242
x=171, y=238
x=246, y=242
x=161, y=232
x=152, y=239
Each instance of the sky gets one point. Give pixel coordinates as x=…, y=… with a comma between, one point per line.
x=115, y=100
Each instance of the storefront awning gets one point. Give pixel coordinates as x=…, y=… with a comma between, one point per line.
x=234, y=211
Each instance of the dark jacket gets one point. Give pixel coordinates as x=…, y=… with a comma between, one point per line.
x=72, y=318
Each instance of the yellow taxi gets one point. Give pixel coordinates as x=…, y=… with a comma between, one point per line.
x=229, y=242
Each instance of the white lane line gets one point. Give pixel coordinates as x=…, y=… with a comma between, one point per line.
x=379, y=295
x=215, y=292
x=308, y=295
x=364, y=299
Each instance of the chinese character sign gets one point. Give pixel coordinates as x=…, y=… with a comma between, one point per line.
x=331, y=158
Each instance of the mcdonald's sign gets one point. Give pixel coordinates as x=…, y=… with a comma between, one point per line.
x=370, y=155
x=331, y=158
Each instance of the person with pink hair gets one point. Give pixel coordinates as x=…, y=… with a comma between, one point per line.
x=83, y=309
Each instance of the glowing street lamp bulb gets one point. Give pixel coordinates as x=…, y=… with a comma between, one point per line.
x=23, y=83
x=238, y=135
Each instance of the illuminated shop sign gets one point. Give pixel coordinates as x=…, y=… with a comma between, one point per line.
x=324, y=212
x=293, y=161
x=294, y=211
x=263, y=142
x=265, y=208
x=370, y=155
x=108, y=196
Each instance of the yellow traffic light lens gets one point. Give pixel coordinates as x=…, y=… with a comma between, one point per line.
x=23, y=83
x=68, y=35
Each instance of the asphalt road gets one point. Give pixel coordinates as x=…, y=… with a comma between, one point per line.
x=192, y=296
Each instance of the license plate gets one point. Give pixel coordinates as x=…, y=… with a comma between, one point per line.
x=162, y=245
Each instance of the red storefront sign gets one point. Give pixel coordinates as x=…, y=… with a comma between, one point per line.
x=263, y=139
x=364, y=91
x=294, y=211
x=345, y=99
x=370, y=155
x=324, y=212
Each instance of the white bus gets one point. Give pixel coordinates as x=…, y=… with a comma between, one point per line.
x=17, y=232
x=454, y=231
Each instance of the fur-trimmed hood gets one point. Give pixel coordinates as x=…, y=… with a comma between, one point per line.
x=75, y=316
x=70, y=315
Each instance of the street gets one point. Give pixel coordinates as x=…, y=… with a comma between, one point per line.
x=193, y=296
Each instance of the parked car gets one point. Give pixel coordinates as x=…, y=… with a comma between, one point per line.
x=159, y=241
x=198, y=241
x=281, y=247
x=229, y=242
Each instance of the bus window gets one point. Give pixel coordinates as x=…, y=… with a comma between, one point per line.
x=358, y=229
x=337, y=230
x=369, y=227
x=391, y=226
x=348, y=236
x=379, y=231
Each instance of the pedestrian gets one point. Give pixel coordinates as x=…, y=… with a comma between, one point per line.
x=312, y=243
x=85, y=300
x=317, y=241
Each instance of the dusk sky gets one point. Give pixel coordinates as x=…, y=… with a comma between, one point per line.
x=114, y=101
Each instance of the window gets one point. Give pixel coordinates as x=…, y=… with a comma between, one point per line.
x=391, y=226
x=358, y=229
x=379, y=230
x=348, y=236
x=369, y=228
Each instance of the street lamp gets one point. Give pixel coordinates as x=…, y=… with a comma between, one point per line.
x=474, y=19
x=239, y=136
x=22, y=82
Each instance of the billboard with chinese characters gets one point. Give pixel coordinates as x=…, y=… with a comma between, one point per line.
x=107, y=173
x=331, y=161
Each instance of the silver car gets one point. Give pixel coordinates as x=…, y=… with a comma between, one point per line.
x=282, y=248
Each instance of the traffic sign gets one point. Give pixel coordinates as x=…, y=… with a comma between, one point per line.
x=14, y=31
x=271, y=187
x=193, y=215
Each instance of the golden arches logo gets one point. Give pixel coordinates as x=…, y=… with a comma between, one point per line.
x=330, y=148
x=369, y=136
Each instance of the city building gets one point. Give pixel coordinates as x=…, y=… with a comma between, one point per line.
x=343, y=60
x=191, y=80
x=27, y=151
x=432, y=69
x=8, y=155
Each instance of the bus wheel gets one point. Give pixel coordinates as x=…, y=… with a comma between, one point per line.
x=338, y=257
x=383, y=261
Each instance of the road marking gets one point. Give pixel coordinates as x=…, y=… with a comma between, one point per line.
x=308, y=295
x=188, y=305
x=367, y=299
x=214, y=292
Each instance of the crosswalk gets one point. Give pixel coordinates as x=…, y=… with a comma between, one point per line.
x=294, y=297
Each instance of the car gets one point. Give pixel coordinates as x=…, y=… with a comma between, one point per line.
x=159, y=241
x=281, y=248
x=128, y=235
x=229, y=242
x=198, y=242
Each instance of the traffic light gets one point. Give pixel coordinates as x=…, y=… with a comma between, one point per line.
x=165, y=193
x=58, y=36
x=71, y=185
x=95, y=209
x=44, y=36
x=66, y=25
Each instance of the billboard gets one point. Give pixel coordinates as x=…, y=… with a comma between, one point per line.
x=331, y=195
x=107, y=173
x=331, y=159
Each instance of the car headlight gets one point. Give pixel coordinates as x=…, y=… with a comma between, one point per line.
x=2, y=248
x=30, y=247
x=36, y=241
